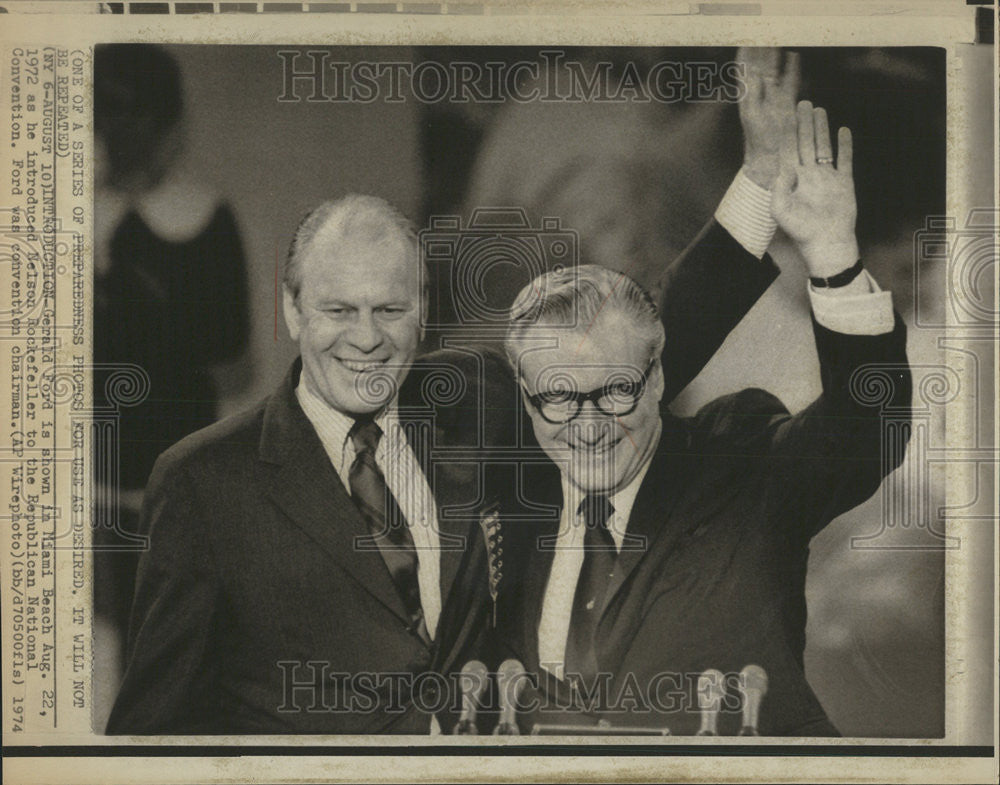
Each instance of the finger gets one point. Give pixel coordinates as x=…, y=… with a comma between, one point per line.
x=751, y=55
x=845, y=151
x=755, y=90
x=806, y=137
x=755, y=86
x=821, y=129
x=790, y=76
x=770, y=57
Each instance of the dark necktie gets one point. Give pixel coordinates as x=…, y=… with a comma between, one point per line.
x=599, y=559
x=385, y=520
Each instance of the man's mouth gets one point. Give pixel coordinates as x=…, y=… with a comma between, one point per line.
x=361, y=366
x=595, y=449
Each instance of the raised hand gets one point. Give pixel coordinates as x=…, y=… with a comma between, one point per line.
x=767, y=110
x=813, y=200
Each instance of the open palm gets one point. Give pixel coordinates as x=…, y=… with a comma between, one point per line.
x=767, y=109
x=813, y=199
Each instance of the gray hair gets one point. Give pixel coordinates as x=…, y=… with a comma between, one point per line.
x=354, y=217
x=572, y=297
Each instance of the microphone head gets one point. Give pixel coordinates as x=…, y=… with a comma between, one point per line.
x=509, y=669
x=509, y=673
x=472, y=682
x=753, y=678
x=474, y=678
x=710, y=689
x=510, y=684
x=474, y=668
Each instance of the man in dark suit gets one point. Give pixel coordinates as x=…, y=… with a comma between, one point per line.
x=657, y=557
x=317, y=564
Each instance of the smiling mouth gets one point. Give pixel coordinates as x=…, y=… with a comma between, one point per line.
x=361, y=366
x=599, y=449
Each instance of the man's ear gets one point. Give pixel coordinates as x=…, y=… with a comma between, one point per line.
x=290, y=310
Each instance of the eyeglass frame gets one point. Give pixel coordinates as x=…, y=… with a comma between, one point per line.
x=593, y=396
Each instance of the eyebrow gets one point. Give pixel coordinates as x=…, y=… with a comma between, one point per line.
x=334, y=303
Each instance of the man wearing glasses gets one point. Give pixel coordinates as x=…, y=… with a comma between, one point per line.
x=675, y=552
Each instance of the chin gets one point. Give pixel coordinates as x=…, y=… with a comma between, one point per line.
x=598, y=479
x=374, y=395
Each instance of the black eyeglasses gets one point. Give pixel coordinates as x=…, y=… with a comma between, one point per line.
x=617, y=398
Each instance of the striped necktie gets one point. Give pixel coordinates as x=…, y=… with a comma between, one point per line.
x=385, y=520
x=600, y=555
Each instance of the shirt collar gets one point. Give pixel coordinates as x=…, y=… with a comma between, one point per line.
x=622, y=499
x=334, y=426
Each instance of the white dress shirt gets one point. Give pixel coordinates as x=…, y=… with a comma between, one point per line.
x=567, y=561
x=404, y=477
x=860, y=308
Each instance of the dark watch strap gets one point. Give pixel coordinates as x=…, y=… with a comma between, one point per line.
x=840, y=279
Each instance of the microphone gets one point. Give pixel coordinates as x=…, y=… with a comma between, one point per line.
x=753, y=688
x=472, y=681
x=710, y=693
x=510, y=683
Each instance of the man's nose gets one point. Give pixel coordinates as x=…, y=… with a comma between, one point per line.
x=593, y=429
x=365, y=334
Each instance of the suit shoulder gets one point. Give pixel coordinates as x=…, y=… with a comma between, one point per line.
x=214, y=447
x=472, y=392
x=740, y=417
x=468, y=360
x=458, y=378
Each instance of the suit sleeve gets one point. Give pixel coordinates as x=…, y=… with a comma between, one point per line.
x=833, y=455
x=169, y=679
x=705, y=293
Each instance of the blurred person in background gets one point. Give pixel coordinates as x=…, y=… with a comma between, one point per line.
x=170, y=298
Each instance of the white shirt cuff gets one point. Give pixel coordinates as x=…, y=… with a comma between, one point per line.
x=860, y=308
x=745, y=212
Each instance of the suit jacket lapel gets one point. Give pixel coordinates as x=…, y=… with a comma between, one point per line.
x=303, y=483
x=653, y=520
x=650, y=514
x=534, y=559
x=423, y=436
x=466, y=609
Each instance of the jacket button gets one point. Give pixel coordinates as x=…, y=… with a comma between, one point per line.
x=430, y=692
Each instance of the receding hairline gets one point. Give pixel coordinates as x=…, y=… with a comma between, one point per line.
x=578, y=334
x=339, y=227
x=554, y=301
x=332, y=245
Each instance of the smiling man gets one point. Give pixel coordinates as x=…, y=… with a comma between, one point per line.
x=353, y=302
x=297, y=571
x=678, y=554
